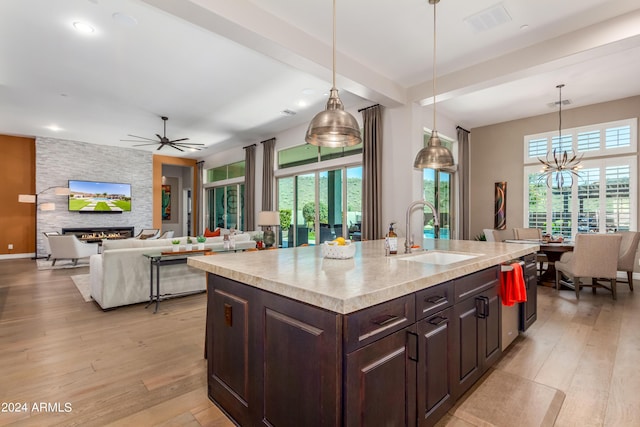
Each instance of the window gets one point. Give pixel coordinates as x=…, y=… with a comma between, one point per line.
x=221, y=173
x=437, y=189
x=308, y=154
x=225, y=206
x=315, y=202
x=603, y=196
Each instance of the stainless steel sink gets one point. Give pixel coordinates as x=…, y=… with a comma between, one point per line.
x=439, y=257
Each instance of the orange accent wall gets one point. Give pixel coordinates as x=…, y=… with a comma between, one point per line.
x=158, y=161
x=17, y=176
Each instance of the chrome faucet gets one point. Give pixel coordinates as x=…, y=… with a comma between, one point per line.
x=408, y=241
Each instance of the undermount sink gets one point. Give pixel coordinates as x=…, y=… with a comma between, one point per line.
x=439, y=257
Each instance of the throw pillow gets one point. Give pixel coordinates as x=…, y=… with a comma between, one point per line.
x=209, y=233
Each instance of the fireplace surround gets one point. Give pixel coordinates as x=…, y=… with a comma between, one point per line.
x=97, y=234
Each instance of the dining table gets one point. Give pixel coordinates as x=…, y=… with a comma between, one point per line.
x=553, y=251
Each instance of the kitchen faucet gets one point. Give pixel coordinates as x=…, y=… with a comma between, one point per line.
x=436, y=222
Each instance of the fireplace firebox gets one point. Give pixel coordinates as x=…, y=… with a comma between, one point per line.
x=97, y=234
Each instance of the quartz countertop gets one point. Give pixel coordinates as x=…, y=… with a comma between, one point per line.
x=367, y=279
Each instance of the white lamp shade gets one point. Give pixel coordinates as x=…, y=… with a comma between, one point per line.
x=26, y=198
x=269, y=218
x=62, y=191
x=48, y=207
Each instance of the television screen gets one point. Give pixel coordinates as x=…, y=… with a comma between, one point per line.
x=106, y=197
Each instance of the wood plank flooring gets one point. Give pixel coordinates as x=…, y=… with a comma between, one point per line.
x=129, y=367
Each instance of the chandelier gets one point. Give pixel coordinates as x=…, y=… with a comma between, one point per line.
x=559, y=162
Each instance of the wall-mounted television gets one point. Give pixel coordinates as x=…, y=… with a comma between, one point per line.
x=99, y=197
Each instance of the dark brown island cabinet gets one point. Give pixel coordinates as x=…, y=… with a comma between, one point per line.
x=273, y=361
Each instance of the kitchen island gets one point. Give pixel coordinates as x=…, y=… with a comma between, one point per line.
x=296, y=339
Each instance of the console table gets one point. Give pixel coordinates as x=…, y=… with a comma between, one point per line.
x=159, y=259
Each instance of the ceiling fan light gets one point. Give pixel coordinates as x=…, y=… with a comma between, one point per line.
x=434, y=155
x=333, y=127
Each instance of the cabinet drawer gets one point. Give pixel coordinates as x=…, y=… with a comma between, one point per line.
x=433, y=299
x=368, y=325
x=468, y=285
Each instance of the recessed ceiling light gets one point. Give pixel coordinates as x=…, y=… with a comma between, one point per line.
x=83, y=27
x=124, y=19
x=302, y=103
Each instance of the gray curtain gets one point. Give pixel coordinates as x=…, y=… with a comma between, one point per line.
x=372, y=174
x=463, y=179
x=268, y=182
x=249, y=187
x=199, y=187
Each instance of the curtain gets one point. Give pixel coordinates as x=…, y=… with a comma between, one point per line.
x=249, y=187
x=463, y=179
x=268, y=182
x=199, y=188
x=372, y=174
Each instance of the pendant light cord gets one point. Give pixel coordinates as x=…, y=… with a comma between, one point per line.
x=560, y=117
x=434, y=67
x=334, y=44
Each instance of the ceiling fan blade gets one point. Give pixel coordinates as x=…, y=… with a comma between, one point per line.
x=160, y=147
x=176, y=147
x=187, y=147
x=189, y=143
x=141, y=137
x=159, y=137
x=142, y=145
x=178, y=140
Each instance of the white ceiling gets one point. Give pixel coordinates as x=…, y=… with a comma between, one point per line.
x=223, y=71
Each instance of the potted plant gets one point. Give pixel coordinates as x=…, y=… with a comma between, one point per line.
x=176, y=245
x=258, y=237
x=189, y=244
x=201, y=239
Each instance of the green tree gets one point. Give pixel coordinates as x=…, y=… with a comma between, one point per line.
x=309, y=213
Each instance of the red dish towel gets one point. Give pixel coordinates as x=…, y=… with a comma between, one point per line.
x=512, y=287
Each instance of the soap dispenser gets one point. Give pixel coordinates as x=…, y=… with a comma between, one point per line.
x=392, y=240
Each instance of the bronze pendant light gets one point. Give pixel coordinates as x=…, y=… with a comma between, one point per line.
x=333, y=127
x=434, y=155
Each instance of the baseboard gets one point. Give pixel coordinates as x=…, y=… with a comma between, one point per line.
x=16, y=256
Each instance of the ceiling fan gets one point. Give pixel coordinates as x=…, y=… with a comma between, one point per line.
x=164, y=141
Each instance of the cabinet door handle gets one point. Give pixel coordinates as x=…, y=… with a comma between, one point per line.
x=486, y=306
x=436, y=299
x=438, y=320
x=480, y=308
x=412, y=344
x=228, y=314
x=384, y=320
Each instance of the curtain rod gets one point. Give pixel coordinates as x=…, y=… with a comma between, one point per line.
x=461, y=128
x=267, y=140
x=366, y=108
x=252, y=145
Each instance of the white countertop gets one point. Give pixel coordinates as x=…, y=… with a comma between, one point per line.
x=345, y=286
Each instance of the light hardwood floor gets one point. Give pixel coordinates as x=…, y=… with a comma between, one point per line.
x=129, y=367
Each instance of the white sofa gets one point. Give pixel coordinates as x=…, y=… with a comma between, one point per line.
x=120, y=274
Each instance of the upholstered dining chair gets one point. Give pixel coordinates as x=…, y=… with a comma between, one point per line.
x=535, y=234
x=493, y=235
x=627, y=257
x=594, y=256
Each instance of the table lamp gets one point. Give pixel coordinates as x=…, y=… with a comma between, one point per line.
x=268, y=219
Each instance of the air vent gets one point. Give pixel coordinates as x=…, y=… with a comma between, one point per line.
x=488, y=18
x=288, y=113
x=555, y=104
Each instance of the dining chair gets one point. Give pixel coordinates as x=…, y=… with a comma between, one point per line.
x=493, y=235
x=627, y=256
x=595, y=256
x=535, y=234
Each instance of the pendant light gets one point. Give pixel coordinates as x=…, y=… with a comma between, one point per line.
x=434, y=155
x=333, y=127
x=559, y=161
